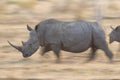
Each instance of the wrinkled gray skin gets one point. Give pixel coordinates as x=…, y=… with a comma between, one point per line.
x=30, y=46
x=75, y=36
x=115, y=34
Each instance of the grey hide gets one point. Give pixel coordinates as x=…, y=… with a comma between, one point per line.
x=75, y=36
x=115, y=34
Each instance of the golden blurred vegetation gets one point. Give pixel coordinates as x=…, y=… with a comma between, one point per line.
x=22, y=11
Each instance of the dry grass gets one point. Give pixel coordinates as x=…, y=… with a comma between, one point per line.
x=14, y=67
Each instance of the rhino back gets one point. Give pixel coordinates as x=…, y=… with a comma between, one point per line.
x=77, y=36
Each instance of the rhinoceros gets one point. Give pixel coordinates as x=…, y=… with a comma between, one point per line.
x=115, y=34
x=74, y=36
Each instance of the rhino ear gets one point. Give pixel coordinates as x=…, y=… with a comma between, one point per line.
x=117, y=28
x=29, y=28
x=23, y=43
x=112, y=28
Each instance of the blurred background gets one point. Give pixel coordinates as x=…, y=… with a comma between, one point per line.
x=32, y=11
x=16, y=14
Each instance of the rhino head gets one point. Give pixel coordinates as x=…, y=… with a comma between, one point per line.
x=115, y=34
x=30, y=46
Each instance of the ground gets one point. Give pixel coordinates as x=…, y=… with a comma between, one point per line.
x=72, y=67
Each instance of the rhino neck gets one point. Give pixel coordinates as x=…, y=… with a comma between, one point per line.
x=36, y=46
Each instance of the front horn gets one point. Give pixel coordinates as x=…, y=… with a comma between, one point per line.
x=16, y=47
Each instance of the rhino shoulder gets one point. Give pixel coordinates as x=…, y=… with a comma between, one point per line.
x=47, y=23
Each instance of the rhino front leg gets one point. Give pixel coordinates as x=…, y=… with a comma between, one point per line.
x=56, y=50
x=44, y=50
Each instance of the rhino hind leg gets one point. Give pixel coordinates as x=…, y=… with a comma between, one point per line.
x=92, y=54
x=108, y=53
x=56, y=50
x=100, y=42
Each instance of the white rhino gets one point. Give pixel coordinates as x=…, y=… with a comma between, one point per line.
x=75, y=36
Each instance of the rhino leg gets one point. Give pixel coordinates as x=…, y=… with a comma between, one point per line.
x=44, y=50
x=92, y=54
x=100, y=42
x=56, y=50
x=108, y=53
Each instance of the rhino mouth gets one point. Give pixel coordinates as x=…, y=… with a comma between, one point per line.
x=26, y=56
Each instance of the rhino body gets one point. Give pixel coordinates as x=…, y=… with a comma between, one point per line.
x=74, y=36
